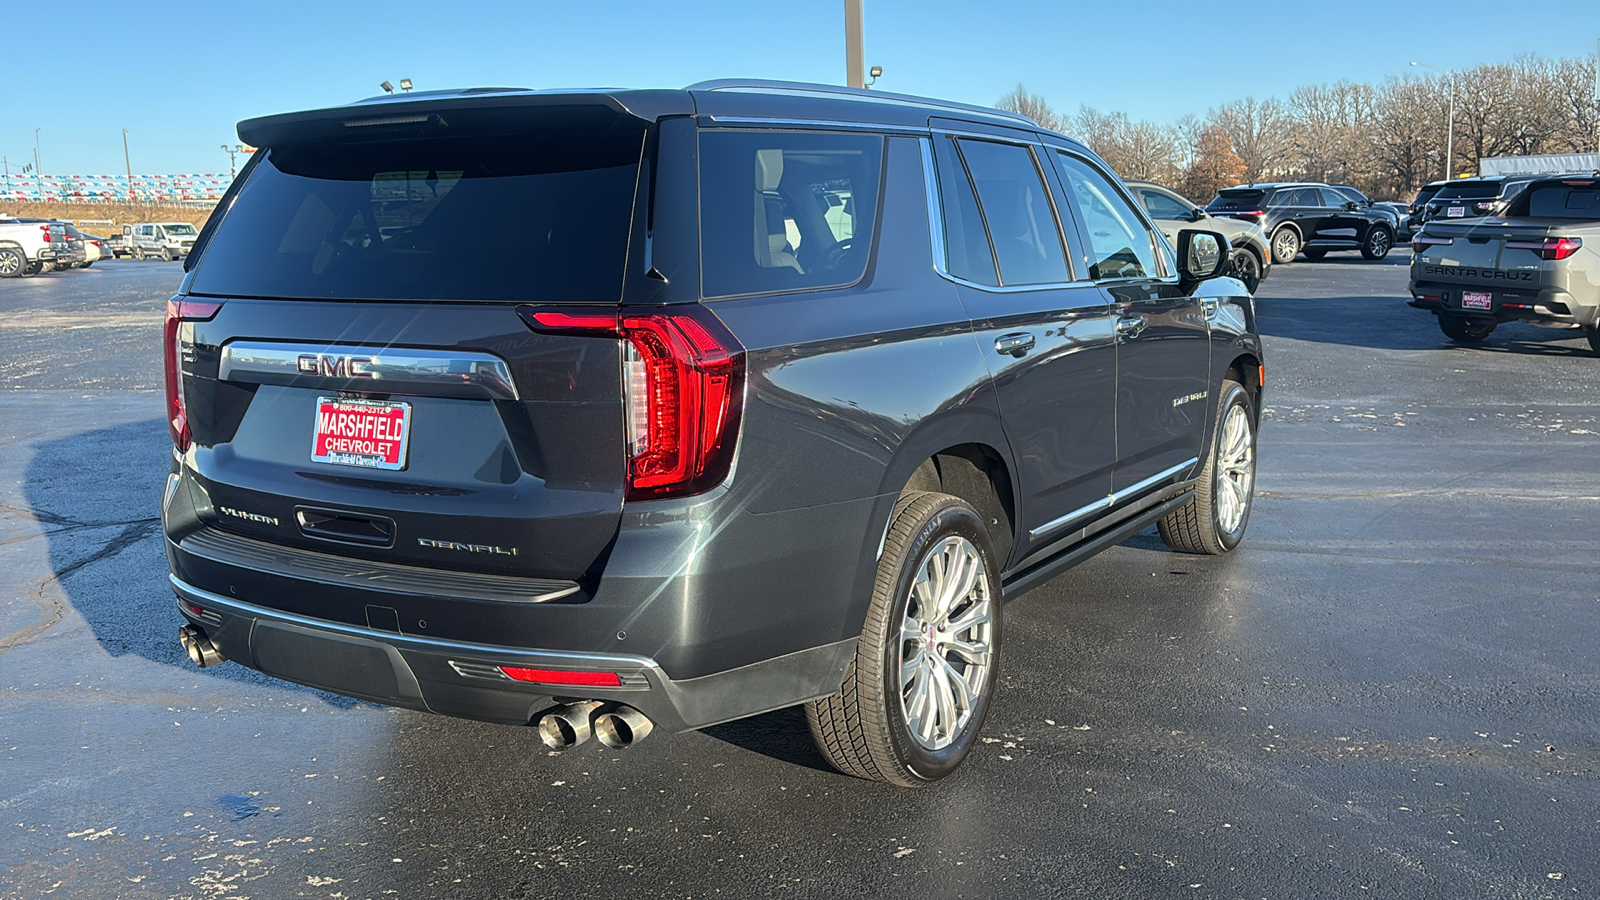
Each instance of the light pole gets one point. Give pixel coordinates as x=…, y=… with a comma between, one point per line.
x=127, y=161
x=233, y=170
x=1450, y=129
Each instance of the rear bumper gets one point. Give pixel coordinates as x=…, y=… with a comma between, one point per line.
x=1540, y=307
x=463, y=679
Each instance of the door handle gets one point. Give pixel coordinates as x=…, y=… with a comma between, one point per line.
x=1017, y=344
x=1131, y=326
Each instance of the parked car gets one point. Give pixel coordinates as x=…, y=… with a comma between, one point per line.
x=82, y=252
x=70, y=253
x=119, y=243
x=28, y=246
x=1415, y=214
x=1362, y=200
x=1538, y=263
x=770, y=450
x=96, y=248
x=1313, y=219
x=167, y=240
x=1252, y=256
x=1471, y=197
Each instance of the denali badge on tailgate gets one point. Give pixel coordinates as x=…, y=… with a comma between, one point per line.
x=367, y=433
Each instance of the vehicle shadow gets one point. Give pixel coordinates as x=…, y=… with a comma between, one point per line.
x=94, y=495
x=781, y=735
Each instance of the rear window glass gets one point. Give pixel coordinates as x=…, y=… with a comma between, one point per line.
x=782, y=211
x=1560, y=201
x=539, y=211
x=1237, y=200
x=1469, y=190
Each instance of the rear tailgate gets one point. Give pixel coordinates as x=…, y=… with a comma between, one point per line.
x=449, y=438
x=1490, y=262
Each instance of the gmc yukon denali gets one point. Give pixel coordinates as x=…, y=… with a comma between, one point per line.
x=791, y=387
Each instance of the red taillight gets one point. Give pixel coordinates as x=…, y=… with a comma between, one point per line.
x=1421, y=241
x=1549, y=248
x=558, y=676
x=683, y=383
x=46, y=230
x=178, y=312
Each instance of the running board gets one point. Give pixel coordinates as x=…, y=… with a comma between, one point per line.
x=1031, y=577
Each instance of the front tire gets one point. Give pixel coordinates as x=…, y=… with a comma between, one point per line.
x=917, y=692
x=1460, y=328
x=1214, y=518
x=1378, y=244
x=1285, y=245
x=1246, y=268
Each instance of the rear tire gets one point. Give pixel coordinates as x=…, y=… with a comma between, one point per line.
x=1378, y=244
x=916, y=694
x=138, y=253
x=1214, y=518
x=1460, y=328
x=1285, y=245
x=13, y=262
x=1246, y=268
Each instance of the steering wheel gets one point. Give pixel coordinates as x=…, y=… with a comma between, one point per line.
x=834, y=255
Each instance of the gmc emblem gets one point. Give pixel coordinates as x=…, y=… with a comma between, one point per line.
x=335, y=366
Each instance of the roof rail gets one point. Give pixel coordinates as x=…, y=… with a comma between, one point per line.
x=759, y=85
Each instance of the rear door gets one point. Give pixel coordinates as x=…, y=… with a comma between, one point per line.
x=1163, y=340
x=1044, y=328
x=369, y=386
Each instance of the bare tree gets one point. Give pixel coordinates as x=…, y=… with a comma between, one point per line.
x=1408, y=135
x=1258, y=132
x=1031, y=105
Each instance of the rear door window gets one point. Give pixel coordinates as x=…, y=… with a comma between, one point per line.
x=1016, y=208
x=784, y=211
x=538, y=209
x=1160, y=206
x=967, y=252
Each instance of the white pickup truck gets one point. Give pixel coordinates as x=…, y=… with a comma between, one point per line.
x=168, y=240
x=28, y=248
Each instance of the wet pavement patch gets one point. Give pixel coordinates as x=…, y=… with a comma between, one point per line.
x=242, y=806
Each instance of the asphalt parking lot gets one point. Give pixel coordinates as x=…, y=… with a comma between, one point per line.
x=1390, y=690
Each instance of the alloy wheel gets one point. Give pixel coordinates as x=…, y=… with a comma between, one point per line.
x=1236, y=470
x=945, y=641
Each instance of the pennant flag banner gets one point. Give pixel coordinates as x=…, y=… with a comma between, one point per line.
x=112, y=188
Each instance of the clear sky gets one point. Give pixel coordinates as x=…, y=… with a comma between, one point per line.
x=179, y=75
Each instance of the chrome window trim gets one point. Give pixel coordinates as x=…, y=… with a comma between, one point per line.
x=806, y=124
x=390, y=370
x=1111, y=500
x=936, y=228
x=857, y=95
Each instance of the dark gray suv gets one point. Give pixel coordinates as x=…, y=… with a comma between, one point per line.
x=611, y=412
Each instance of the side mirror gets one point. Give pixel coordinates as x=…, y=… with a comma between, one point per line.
x=1198, y=214
x=1201, y=255
x=1352, y=206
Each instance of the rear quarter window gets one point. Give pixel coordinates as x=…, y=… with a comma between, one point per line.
x=785, y=211
x=1561, y=201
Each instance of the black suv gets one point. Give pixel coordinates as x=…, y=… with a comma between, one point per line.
x=1313, y=219
x=792, y=387
x=1471, y=198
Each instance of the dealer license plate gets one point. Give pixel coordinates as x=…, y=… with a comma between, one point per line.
x=1455, y=212
x=371, y=434
x=1471, y=300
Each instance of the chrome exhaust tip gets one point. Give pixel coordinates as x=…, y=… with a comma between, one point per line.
x=567, y=726
x=201, y=651
x=622, y=727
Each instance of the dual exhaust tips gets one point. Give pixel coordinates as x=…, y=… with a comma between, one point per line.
x=201, y=651
x=617, y=727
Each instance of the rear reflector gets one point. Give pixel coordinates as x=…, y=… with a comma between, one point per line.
x=1549, y=248
x=558, y=676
